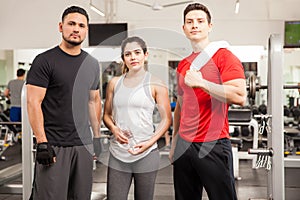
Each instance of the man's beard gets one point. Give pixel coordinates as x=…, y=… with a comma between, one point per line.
x=74, y=43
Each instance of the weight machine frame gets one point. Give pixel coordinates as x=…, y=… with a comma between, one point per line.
x=276, y=189
x=237, y=155
x=27, y=148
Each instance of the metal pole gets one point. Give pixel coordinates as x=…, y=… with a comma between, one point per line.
x=276, y=189
x=27, y=148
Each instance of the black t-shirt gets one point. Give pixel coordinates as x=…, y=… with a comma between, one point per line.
x=68, y=80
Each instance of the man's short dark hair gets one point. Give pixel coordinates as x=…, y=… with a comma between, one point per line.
x=20, y=72
x=74, y=9
x=197, y=6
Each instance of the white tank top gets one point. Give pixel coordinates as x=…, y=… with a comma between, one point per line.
x=133, y=109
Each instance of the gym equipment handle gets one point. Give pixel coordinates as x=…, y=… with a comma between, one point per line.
x=268, y=152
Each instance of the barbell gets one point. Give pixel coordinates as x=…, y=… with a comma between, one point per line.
x=253, y=86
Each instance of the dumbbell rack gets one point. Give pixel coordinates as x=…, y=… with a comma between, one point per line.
x=238, y=155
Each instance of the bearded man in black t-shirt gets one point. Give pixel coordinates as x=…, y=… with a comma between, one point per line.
x=63, y=104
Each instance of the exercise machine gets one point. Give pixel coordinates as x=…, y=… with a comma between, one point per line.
x=9, y=136
x=274, y=151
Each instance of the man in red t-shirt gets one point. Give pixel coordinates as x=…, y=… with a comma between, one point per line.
x=201, y=150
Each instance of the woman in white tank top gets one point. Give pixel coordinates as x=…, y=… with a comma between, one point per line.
x=129, y=105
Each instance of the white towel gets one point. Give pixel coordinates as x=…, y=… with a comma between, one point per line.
x=207, y=54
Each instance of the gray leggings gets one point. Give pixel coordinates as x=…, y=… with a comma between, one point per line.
x=143, y=172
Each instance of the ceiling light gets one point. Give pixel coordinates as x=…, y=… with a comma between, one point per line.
x=157, y=6
x=99, y=12
x=237, y=6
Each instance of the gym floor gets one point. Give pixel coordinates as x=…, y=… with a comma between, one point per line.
x=253, y=183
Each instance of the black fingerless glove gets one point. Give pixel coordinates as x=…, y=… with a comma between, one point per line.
x=97, y=146
x=45, y=153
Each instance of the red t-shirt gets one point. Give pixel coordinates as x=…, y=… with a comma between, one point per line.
x=202, y=117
